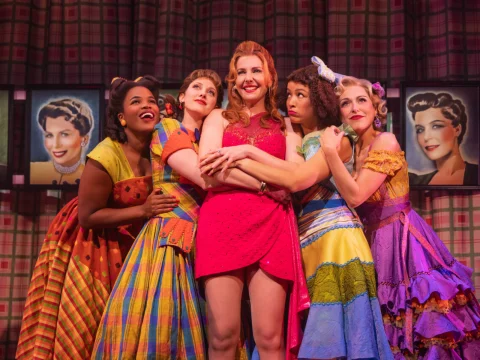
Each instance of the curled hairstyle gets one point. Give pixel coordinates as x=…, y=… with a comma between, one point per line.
x=378, y=103
x=235, y=111
x=452, y=109
x=322, y=95
x=194, y=75
x=74, y=111
x=118, y=90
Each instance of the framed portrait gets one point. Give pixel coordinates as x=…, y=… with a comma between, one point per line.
x=440, y=133
x=63, y=124
x=6, y=136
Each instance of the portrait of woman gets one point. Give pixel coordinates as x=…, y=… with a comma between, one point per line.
x=442, y=146
x=62, y=130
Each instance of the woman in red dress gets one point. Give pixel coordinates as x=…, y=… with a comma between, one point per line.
x=249, y=238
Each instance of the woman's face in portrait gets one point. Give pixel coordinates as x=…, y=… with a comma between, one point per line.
x=140, y=110
x=299, y=106
x=62, y=141
x=356, y=108
x=435, y=133
x=251, y=82
x=200, y=97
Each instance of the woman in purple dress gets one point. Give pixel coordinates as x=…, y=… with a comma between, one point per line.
x=427, y=297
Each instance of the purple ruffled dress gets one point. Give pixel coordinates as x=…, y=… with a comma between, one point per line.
x=427, y=297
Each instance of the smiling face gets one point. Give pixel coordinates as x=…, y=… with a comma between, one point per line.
x=299, y=106
x=62, y=141
x=200, y=97
x=436, y=134
x=140, y=110
x=251, y=82
x=356, y=108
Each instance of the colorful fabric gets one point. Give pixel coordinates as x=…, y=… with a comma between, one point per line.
x=428, y=303
x=110, y=155
x=248, y=228
x=73, y=277
x=154, y=310
x=344, y=319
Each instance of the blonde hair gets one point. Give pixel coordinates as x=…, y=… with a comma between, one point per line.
x=235, y=112
x=378, y=103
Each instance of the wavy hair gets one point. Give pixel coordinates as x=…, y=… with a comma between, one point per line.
x=378, y=103
x=235, y=111
x=452, y=109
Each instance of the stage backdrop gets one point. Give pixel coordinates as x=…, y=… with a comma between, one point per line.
x=80, y=41
x=84, y=42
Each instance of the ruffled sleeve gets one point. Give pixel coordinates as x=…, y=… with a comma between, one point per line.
x=168, y=138
x=110, y=155
x=384, y=161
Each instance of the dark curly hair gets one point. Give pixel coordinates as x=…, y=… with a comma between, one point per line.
x=322, y=95
x=74, y=111
x=177, y=110
x=118, y=90
x=452, y=109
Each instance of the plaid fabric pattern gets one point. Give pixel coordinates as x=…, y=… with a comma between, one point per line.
x=143, y=319
x=81, y=41
x=456, y=219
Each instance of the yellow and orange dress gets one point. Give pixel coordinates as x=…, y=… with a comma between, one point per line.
x=77, y=268
x=427, y=297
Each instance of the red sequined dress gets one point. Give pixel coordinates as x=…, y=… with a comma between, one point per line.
x=238, y=228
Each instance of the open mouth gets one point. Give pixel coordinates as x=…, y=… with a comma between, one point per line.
x=431, y=147
x=59, y=154
x=250, y=88
x=148, y=115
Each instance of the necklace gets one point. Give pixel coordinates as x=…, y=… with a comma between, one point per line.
x=67, y=169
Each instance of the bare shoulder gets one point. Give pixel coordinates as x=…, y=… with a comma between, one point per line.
x=386, y=141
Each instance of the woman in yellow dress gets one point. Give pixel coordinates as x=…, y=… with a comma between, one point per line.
x=84, y=248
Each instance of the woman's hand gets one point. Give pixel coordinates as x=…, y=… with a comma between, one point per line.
x=158, y=203
x=222, y=159
x=331, y=139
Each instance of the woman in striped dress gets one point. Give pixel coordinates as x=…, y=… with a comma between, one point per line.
x=154, y=310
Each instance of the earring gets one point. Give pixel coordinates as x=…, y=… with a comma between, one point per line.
x=123, y=123
x=83, y=143
x=377, y=123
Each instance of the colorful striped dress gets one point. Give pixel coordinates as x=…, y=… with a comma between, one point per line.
x=154, y=311
x=77, y=268
x=344, y=319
